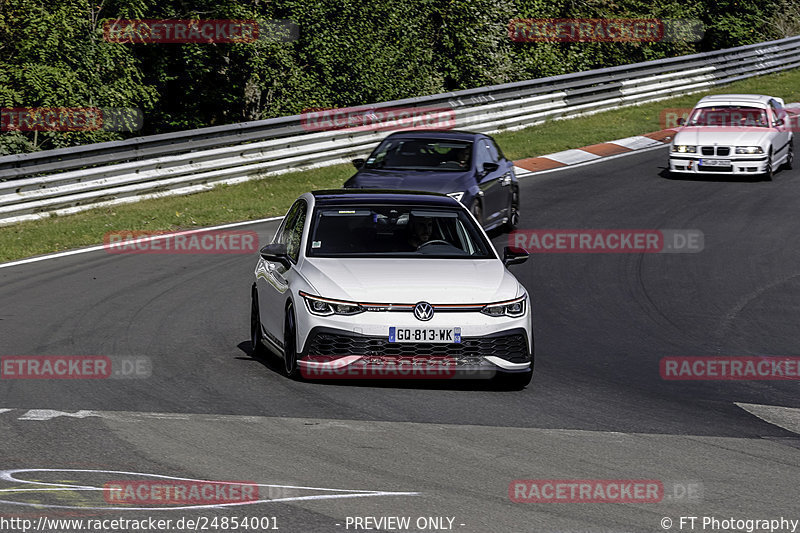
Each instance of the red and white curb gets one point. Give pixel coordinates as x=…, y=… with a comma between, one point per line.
x=532, y=165
x=594, y=152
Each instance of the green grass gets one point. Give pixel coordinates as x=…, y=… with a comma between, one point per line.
x=272, y=195
x=226, y=203
x=558, y=135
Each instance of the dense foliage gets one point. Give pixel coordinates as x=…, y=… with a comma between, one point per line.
x=349, y=52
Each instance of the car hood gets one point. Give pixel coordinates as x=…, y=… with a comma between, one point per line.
x=708, y=136
x=393, y=280
x=417, y=180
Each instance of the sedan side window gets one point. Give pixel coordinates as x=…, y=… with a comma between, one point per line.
x=778, y=112
x=494, y=155
x=296, y=234
x=482, y=155
x=292, y=231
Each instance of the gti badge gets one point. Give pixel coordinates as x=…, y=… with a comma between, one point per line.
x=423, y=311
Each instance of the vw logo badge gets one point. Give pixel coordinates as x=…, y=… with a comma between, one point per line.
x=423, y=311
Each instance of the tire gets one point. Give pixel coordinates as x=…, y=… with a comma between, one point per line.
x=513, y=212
x=789, y=163
x=515, y=381
x=256, y=336
x=477, y=211
x=291, y=367
x=770, y=172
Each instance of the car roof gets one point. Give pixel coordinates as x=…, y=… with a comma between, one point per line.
x=438, y=134
x=736, y=98
x=380, y=196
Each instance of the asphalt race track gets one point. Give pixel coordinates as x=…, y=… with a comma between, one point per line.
x=597, y=407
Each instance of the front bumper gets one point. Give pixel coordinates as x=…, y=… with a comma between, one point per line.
x=689, y=164
x=334, y=353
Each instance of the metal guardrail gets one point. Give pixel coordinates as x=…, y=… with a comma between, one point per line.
x=68, y=180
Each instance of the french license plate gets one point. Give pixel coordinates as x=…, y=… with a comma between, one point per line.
x=435, y=335
x=715, y=162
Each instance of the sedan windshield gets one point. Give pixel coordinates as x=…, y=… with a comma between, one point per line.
x=729, y=116
x=421, y=154
x=396, y=231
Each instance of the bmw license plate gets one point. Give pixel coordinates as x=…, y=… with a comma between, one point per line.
x=715, y=162
x=435, y=335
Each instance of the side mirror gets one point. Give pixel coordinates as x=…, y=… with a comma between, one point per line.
x=681, y=121
x=779, y=122
x=276, y=253
x=514, y=256
x=358, y=163
x=490, y=167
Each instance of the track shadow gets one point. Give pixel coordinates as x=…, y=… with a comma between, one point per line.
x=722, y=177
x=273, y=364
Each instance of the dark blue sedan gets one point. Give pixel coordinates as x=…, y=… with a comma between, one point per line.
x=469, y=167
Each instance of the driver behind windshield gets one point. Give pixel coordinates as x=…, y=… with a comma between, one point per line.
x=420, y=231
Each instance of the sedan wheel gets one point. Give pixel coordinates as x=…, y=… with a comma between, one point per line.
x=513, y=212
x=789, y=157
x=769, y=172
x=477, y=211
x=290, y=345
x=256, y=340
x=515, y=381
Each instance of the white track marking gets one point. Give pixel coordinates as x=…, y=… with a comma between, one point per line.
x=49, y=414
x=571, y=157
x=592, y=162
x=9, y=475
x=144, y=239
x=787, y=418
x=638, y=142
x=576, y=160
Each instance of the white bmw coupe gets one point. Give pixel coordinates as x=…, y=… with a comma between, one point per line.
x=734, y=134
x=370, y=283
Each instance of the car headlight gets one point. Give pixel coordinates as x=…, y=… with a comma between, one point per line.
x=749, y=150
x=512, y=308
x=457, y=196
x=685, y=148
x=326, y=306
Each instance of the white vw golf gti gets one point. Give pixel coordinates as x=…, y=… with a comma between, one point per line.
x=735, y=134
x=390, y=283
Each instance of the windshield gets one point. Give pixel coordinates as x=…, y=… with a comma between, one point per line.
x=421, y=154
x=396, y=231
x=729, y=116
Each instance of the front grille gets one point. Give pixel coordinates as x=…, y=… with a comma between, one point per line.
x=511, y=347
x=715, y=150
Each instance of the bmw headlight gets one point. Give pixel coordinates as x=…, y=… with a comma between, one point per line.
x=326, y=306
x=749, y=150
x=685, y=148
x=513, y=308
x=457, y=196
